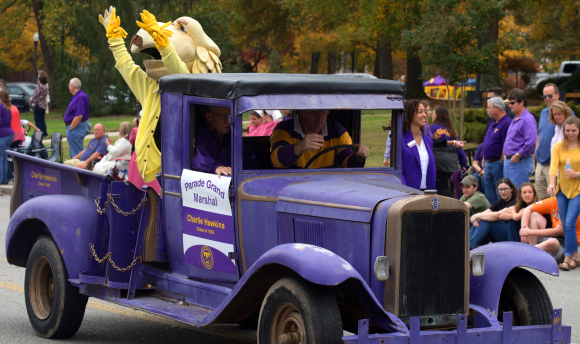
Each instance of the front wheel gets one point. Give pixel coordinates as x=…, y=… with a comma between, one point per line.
x=55, y=308
x=295, y=311
x=525, y=296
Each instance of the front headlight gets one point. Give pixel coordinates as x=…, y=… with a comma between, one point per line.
x=382, y=268
x=477, y=264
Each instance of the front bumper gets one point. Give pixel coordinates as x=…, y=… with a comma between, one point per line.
x=556, y=333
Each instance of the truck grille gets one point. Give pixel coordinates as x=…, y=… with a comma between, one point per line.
x=432, y=264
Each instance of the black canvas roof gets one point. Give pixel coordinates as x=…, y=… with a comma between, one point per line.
x=234, y=85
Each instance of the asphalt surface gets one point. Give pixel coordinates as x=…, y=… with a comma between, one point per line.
x=108, y=323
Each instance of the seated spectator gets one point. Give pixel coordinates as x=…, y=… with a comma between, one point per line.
x=447, y=158
x=527, y=195
x=96, y=148
x=121, y=150
x=541, y=223
x=473, y=199
x=213, y=148
x=287, y=114
x=487, y=226
x=296, y=141
x=256, y=127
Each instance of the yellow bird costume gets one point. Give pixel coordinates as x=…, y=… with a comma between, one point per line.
x=177, y=48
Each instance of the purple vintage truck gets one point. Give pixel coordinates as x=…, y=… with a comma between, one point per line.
x=303, y=255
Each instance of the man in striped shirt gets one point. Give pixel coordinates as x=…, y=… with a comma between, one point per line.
x=295, y=142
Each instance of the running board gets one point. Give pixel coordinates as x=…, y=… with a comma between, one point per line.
x=179, y=310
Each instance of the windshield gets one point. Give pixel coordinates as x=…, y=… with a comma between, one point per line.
x=283, y=139
x=29, y=88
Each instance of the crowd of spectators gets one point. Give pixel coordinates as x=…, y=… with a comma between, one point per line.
x=504, y=203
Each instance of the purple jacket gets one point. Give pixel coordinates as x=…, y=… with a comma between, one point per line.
x=412, y=163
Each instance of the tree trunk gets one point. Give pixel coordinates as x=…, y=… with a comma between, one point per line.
x=414, y=85
x=331, y=65
x=47, y=56
x=385, y=59
x=377, y=70
x=462, y=108
x=492, y=36
x=314, y=63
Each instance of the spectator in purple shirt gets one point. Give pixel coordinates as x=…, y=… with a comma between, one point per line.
x=75, y=118
x=521, y=139
x=96, y=149
x=493, y=145
x=213, y=148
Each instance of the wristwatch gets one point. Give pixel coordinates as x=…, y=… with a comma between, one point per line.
x=518, y=156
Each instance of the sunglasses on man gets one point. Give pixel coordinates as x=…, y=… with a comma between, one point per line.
x=548, y=96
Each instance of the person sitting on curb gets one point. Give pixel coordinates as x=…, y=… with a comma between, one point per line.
x=473, y=199
x=488, y=226
x=542, y=227
x=527, y=196
x=96, y=148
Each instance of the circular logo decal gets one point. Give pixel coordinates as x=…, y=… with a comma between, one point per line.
x=206, y=257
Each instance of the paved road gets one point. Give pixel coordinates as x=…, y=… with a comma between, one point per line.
x=107, y=323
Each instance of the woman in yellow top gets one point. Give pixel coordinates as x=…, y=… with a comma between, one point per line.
x=568, y=188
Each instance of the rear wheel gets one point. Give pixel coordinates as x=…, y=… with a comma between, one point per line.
x=295, y=311
x=525, y=296
x=55, y=308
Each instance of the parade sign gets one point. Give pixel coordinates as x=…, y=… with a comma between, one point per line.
x=208, y=234
x=44, y=179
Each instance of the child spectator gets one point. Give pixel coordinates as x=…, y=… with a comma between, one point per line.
x=255, y=123
x=473, y=199
x=526, y=196
x=487, y=226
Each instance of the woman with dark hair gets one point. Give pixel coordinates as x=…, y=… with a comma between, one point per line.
x=6, y=135
x=40, y=104
x=447, y=158
x=418, y=160
x=566, y=161
x=488, y=226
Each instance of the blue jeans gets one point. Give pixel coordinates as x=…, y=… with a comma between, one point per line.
x=514, y=230
x=493, y=173
x=75, y=138
x=5, y=143
x=569, y=210
x=480, y=183
x=495, y=231
x=518, y=172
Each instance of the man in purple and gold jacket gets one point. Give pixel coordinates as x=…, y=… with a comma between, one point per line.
x=213, y=144
x=294, y=142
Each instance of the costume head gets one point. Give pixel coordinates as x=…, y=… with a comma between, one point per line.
x=199, y=53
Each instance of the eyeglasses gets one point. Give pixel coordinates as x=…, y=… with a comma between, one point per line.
x=503, y=189
x=548, y=96
x=512, y=103
x=222, y=117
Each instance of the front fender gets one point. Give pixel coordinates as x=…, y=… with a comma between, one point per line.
x=69, y=220
x=500, y=259
x=315, y=264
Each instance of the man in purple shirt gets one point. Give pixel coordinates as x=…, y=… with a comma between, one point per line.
x=75, y=118
x=213, y=148
x=95, y=149
x=493, y=145
x=521, y=141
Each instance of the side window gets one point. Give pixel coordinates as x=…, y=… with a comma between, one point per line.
x=15, y=91
x=570, y=67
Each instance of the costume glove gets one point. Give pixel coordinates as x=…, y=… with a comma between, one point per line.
x=112, y=23
x=159, y=34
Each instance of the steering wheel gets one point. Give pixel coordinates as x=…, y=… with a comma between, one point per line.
x=330, y=149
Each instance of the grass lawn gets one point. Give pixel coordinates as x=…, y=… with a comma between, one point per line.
x=54, y=121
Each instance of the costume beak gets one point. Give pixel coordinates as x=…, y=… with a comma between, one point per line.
x=143, y=43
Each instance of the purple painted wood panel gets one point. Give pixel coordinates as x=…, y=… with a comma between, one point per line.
x=324, y=101
x=259, y=229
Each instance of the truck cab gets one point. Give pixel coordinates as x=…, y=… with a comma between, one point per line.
x=302, y=255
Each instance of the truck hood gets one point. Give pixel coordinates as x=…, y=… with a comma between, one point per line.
x=350, y=196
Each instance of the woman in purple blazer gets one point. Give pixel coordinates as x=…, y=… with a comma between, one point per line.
x=418, y=160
